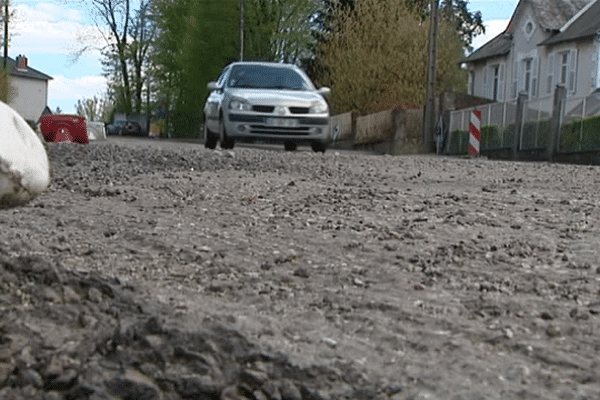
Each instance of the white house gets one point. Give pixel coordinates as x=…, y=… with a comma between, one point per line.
x=28, y=93
x=547, y=42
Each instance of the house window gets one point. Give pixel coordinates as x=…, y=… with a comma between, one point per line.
x=527, y=76
x=563, y=68
x=550, y=77
x=529, y=28
x=495, y=81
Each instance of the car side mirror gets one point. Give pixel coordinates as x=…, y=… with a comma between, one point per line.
x=324, y=91
x=212, y=86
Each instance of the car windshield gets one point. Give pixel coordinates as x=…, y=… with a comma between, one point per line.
x=266, y=77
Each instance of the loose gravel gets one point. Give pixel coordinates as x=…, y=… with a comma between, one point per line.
x=150, y=272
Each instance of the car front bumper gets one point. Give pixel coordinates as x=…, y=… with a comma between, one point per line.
x=305, y=128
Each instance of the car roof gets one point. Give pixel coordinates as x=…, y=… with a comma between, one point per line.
x=265, y=64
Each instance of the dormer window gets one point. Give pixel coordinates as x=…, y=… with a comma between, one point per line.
x=529, y=29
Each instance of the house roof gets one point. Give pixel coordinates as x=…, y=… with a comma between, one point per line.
x=11, y=67
x=498, y=46
x=585, y=25
x=552, y=15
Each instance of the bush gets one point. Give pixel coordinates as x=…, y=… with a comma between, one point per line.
x=535, y=134
x=459, y=142
x=591, y=134
x=491, y=137
x=582, y=135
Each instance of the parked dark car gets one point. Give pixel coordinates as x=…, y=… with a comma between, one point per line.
x=114, y=128
x=132, y=128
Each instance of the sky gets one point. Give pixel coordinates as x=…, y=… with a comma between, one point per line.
x=46, y=32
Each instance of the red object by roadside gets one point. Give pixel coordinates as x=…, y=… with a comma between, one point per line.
x=64, y=128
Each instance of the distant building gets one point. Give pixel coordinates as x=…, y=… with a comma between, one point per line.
x=28, y=88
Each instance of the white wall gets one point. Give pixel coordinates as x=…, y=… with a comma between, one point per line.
x=28, y=97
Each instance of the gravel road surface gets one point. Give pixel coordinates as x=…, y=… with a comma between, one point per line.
x=161, y=270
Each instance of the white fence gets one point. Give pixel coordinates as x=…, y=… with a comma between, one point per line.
x=496, y=120
x=580, y=130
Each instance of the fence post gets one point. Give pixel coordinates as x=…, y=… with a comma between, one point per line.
x=560, y=95
x=519, y=123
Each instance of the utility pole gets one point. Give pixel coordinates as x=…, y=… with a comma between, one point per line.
x=242, y=30
x=5, y=32
x=429, y=114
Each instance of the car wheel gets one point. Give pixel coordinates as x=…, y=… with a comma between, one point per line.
x=318, y=147
x=225, y=141
x=290, y=146
x=210, y=139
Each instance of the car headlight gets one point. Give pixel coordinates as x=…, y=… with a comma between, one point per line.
x=239, y=104
x=319, y=108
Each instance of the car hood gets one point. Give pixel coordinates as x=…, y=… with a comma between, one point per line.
x=289, y=98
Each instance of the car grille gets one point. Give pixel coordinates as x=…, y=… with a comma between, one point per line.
x=270, y=109
x=299, y=110
x=263, y=129
x=263, y=109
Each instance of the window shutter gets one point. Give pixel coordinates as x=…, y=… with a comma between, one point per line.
x=572, y=71
x=484, y=89
x=535, y=66
x=520, y=76
x=550, y=72
x=501, y=81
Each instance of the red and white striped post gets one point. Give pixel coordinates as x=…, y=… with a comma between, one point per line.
x=475, y=132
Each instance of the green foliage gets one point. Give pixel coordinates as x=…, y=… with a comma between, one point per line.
x=456, y=13
x=536, y=134
x=279, y=30
x=580, y=135
x=458, y=142
x=4, y=86
x=491, y=137
x=376, y=56
x=197, y=38
x=94, y=109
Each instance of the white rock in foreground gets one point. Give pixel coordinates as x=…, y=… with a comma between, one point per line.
x=24, y=164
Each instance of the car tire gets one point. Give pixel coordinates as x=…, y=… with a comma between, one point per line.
x=318, y=147
x=210, y=139
x=225, y=141
x=290, y=146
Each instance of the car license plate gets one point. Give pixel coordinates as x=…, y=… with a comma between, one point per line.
x=282, y=122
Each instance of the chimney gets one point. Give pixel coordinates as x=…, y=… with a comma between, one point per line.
x=21, y=63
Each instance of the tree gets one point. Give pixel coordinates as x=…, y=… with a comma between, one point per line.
x=468, y=24
x=127, y=35
x=4, y=86
x=143, y=30
x=375, y=57
x=94, y=109
x=195, y=40
x=279, y=30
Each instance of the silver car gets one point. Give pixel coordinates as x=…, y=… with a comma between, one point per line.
x=266, y=102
